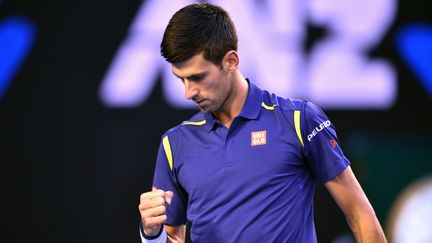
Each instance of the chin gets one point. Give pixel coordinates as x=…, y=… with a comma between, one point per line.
x=207, y=109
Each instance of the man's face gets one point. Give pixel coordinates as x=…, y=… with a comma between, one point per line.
x=206, y=84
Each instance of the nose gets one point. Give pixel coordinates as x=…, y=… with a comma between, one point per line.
x=190, y=90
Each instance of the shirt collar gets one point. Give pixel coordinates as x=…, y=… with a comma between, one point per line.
x=251, y=107
x=210, y=121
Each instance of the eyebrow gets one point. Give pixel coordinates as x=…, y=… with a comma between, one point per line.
x=196, y=75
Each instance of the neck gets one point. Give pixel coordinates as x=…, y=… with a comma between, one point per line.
x=234, y=102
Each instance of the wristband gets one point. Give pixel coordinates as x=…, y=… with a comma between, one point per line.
x=161, y=237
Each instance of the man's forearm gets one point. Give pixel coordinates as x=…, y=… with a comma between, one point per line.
x=366, y=228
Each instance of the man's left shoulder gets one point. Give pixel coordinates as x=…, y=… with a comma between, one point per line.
x=285, y=104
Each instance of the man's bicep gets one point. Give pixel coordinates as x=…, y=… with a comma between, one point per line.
x=346, y=191
x=176, y=234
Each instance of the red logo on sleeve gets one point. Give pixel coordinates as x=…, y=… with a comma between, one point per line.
x=333, y=143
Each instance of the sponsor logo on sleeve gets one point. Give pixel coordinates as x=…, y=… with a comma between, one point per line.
x=318, y=129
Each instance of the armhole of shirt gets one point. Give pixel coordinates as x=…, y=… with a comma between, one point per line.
x=182, y=194
x=297, y=121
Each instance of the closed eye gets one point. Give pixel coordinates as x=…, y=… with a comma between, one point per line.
x=194, y=78
x=197, y=77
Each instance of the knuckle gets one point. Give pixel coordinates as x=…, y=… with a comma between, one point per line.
x=144, y=196
x=163, y=210
x=147, y=213
x=159, y=192
x=141, y=207
x=144, y=205
x=144, y=215
x=163, y=218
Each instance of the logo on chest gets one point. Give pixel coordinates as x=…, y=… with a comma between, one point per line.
x=258, y=138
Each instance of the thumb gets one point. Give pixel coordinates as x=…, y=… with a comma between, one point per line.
x=168, y=197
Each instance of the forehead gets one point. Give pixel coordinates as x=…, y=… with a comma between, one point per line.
x=194, y=65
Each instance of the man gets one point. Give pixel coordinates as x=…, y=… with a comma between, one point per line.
x=243, y=169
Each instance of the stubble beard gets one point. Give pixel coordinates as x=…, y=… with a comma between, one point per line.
x=220, y=104
x=224, y=102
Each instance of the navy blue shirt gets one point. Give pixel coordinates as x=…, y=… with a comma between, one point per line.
x=255, y=181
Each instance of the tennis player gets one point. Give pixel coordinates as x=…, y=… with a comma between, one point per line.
x=244, y=168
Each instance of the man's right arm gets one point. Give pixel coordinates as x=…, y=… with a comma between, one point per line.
x=152, y=209
x=176, y=234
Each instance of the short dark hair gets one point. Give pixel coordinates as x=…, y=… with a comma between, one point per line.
x=196, y=28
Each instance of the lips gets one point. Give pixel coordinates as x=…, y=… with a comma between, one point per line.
x=200, y=103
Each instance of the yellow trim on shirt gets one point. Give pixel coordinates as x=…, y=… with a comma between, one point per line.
x=270, y=108
x=167, y=148
x=198, y=123
x=297, y=126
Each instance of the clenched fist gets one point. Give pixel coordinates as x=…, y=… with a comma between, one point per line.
x=152, y=208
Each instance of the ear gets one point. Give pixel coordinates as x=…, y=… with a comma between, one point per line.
x=231, y=60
